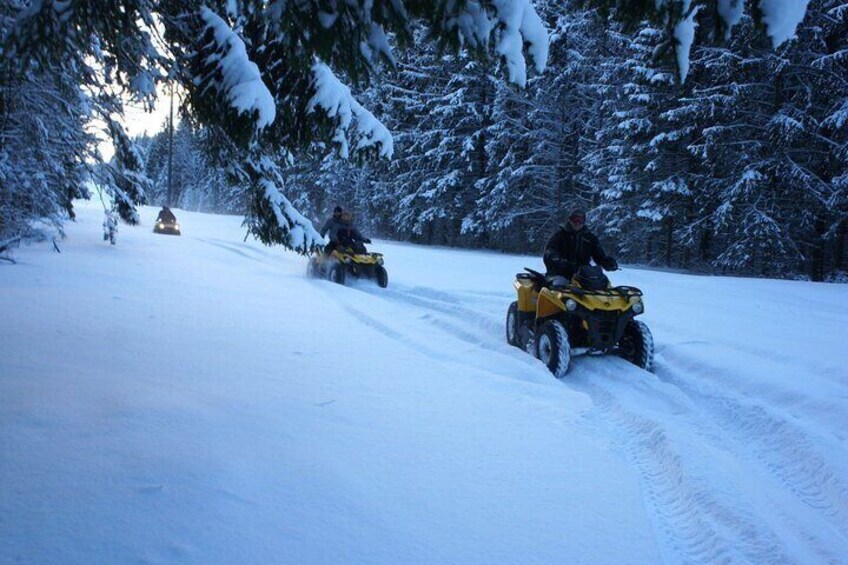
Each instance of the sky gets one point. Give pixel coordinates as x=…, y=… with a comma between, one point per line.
x=138, y=121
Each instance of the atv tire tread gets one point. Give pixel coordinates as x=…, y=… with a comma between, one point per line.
x=643, y=354
x=382, y=276
x=512, y=325
x=337, y=273
x=554, y=333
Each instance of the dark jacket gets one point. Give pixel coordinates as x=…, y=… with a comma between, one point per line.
x=332, y=226
x=568, y=249
x=166, y=216
x=342, y=233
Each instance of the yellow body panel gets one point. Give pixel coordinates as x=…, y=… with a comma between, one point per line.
x=362, y=259
x=607, y=303
x=526, y=295
x=549, y=302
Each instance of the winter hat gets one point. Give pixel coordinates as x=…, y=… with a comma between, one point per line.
x=577, y=213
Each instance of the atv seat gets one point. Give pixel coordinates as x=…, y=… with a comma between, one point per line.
x=591, y=278
x=557, y=281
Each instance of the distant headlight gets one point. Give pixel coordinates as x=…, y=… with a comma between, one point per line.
x=570, y=305
x=638, y=307
x=177, y=227
x=160, y=225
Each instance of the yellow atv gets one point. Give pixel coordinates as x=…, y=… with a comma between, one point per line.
x=345, y=262
x=555, y=319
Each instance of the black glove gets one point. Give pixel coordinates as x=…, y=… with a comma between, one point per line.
x=610, y=264
x=366, y=240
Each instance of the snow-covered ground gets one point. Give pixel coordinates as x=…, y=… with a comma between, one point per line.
x=198, y=399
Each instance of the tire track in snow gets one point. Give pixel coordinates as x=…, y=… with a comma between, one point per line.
x=448, y=320
x=454, y=316
x=694, y=516
x=238, y=249
x=784, y=449
x=694, y=524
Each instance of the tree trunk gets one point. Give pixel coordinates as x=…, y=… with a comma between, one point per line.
x=839, y=251
x=817, y=251
x=669, y=240
x=706, y=241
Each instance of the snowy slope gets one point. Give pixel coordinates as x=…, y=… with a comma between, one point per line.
x=197, y=399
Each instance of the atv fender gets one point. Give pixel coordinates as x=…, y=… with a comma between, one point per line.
x=548, y=304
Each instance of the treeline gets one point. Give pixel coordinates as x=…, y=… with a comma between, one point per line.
x=742, y=168
x=184, y=174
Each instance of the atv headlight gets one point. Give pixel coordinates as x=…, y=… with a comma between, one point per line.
x=571, y=305
x=638, y=307
x=177, y=227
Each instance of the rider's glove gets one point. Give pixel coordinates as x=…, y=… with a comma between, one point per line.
x=610, y=264
x=366, y=240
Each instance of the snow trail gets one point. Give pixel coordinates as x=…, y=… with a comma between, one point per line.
x=329, y=423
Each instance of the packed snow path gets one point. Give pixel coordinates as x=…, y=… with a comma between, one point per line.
x=198, y=399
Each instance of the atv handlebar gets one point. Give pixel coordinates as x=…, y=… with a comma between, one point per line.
x=542, y=280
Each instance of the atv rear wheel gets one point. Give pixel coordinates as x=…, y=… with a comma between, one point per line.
x=512, y=325
x=382, y=276
x=637, y=345
x=337, y=273
x=312, y=268
x=553, y=348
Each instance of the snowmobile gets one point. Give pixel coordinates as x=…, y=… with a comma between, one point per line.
x=555, y=319
x=345, y=262
x=167, y=227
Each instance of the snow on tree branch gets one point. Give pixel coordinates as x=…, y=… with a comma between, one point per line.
x=511, y=23
x=684, y=33
x=272, y=218
x=352, y=119
x=241, y=83
x=520, y=24
x=781, y=18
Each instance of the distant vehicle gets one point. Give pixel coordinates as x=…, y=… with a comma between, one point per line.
x=169, y=228
x=166, y=222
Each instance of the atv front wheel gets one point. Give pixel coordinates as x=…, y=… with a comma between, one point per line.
x=512, y=325
x=382, y=276
x=637, y=345
x=337, y=273
x=553, y=348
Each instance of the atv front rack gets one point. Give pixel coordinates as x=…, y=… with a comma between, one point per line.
x=614, y=292
x=542, y=282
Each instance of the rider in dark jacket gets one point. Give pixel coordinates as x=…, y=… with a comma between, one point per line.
x=572, y=246
x=331, y=228
x=341, y=232
x=166, y=216
x=349, y=236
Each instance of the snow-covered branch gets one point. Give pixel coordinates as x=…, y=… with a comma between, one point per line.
x=240, y=82
x=352, y=120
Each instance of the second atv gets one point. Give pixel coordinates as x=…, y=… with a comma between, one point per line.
x=167, y=227
x=348, y=262
x=555, y=319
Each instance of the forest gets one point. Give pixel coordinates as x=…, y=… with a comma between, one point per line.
x=697, y=137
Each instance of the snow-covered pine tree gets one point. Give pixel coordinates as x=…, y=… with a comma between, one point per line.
x=124, y=176
x=650, y=179
x=676, y=19
x=266, y=74
x=44, y=144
